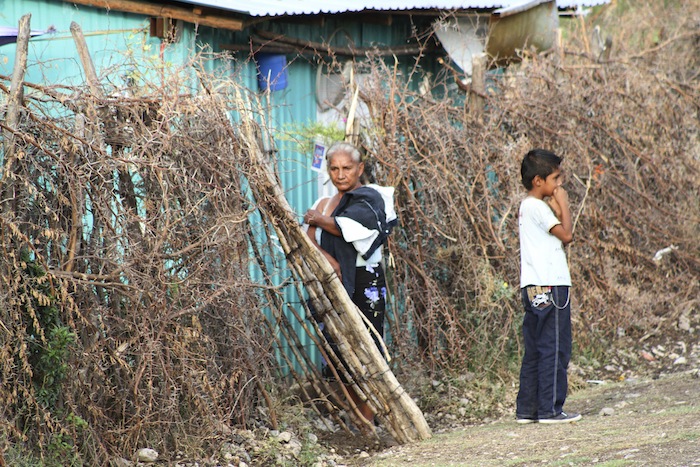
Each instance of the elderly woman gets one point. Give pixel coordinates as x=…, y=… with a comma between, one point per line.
x=350, y=229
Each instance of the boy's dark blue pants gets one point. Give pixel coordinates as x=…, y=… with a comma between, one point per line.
x=547, y=338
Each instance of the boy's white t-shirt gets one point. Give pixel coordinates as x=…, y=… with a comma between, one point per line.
x=542, y=257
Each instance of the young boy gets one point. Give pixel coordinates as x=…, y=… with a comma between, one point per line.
x=545, y=227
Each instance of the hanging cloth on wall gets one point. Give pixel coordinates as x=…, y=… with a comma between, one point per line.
x=8, y=35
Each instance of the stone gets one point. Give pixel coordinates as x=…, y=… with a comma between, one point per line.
x=294, y=447
x=285, y=437
x=607, y=412
x=147, y=455
x=680, y=361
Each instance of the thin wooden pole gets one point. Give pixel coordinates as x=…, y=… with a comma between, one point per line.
x=584, y=34
x=14, y=106
x=84, y=54
x=14, y=103
x=478, y=88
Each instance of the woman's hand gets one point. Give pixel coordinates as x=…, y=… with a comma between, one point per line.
x=315, y=218
x=312, y=217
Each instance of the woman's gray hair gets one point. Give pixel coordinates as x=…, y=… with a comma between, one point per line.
x=346, y=148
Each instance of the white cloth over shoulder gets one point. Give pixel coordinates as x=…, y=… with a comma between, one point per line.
x=362, y=237
x=387, y=193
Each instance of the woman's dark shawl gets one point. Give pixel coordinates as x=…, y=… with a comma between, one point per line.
x=366, y=206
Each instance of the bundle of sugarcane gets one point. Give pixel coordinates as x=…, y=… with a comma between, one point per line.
x=365, y=368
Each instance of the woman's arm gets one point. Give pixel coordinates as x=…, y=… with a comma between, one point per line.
x=334, y=263
x=311, y=233
x=315, y=218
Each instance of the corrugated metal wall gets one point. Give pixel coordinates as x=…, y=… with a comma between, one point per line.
x=53, y=58
x=115, y=38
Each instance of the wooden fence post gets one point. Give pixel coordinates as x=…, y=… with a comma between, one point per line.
x=14, y=106
x=478, y=87
x=14, y=103
x=84, y=54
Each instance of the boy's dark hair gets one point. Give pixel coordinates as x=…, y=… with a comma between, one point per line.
x=538, y=162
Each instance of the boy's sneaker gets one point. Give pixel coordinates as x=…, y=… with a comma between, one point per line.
x=523, y=419
x=562, y=418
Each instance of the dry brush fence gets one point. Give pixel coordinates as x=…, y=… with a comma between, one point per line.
x=126, y=302
x=627, y=124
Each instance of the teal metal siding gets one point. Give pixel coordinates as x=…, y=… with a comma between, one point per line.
x=53, y=58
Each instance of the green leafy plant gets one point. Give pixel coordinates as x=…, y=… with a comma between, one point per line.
x=303, y=136
x=49, y=340
x=61, y=452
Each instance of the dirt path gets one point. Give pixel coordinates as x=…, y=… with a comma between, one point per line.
x=653, y=422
